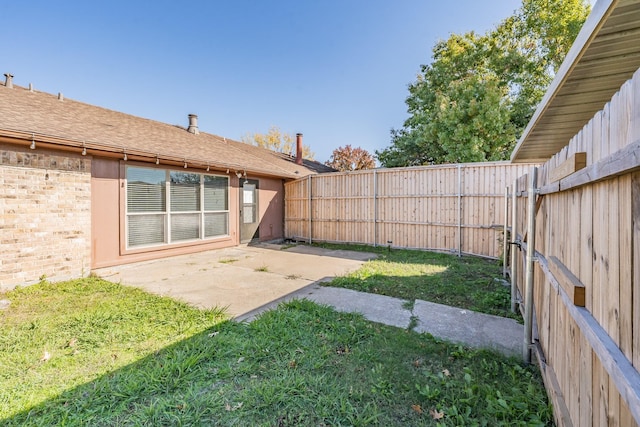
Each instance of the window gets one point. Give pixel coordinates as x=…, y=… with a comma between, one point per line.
x=166, y=207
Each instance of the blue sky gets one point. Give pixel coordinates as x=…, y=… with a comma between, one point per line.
x=335, y=70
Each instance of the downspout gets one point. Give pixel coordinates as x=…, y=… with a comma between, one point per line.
x=514, y=251
x=531, y=258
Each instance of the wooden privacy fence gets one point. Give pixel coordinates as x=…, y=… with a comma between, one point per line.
x=453, y=208
x=577, y=272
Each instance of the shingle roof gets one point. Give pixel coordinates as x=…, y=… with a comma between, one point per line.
x=26, y=113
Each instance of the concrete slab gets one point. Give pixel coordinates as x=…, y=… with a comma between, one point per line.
x=470, y=328
x=242, y=279
x=377, y=308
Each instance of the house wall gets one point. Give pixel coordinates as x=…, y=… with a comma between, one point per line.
x=108, y=219
x=45, y=215
x=271, y=208
x=108, y=213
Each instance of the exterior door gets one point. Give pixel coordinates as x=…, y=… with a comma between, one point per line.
x=249, y=218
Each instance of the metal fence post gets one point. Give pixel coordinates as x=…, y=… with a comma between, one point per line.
x=514, y=250
x=531, y=251
x=505, y=233
x=310, y=210
x=459, y=210
x=375, y=208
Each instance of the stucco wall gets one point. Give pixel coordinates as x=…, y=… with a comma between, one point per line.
x=108, y=218
x=271, y=208
x=45, y=216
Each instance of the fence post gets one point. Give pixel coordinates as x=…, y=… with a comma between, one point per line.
x=375, y=208
x=505, y=239
x=459, y=210
x=310, y=210
x=514, y=251
x=531, y=251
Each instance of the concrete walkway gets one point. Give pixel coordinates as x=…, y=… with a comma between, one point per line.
x=248, y=280
x=453, y=324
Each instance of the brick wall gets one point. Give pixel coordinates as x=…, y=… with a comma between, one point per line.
x=45, y=216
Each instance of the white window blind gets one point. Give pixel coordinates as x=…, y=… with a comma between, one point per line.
x=185, y=192
x=146, y=190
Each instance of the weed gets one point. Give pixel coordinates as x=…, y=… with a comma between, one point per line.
x=408, y=305
x=263, y=269
x=228, y=260
x=413, y=323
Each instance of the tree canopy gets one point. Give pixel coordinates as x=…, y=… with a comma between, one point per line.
x=476, y=97
x=349, y=158
x=276, y=140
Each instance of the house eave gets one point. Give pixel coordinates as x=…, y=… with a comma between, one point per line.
x=606, y=53
x=101, y=149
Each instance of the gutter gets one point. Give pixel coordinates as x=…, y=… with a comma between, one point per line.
x=39, y=140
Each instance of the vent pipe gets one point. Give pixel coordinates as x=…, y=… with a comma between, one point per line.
x=298, y=148
x=193, y=124
x=8, y=80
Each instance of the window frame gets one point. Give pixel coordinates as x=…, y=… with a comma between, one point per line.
x=168, y=213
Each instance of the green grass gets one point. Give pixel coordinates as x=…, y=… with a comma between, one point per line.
x=466, y=282
x=300, y=365
x=87, y=328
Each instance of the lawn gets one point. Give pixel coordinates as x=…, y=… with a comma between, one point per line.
x=90, y=352
x=466, y=282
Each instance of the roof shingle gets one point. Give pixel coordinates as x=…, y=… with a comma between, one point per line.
x=43, y=114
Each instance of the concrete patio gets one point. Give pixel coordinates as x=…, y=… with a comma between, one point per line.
x=243, y=279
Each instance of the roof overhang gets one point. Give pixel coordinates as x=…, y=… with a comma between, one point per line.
x=606, y=53
x=101, y=149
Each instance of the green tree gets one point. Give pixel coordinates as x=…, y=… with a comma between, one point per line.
x=478, y=94
x=276, y=140
x=348, y=158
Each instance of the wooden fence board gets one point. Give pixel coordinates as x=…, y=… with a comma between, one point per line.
x=635, y=265
x=589, y=238
x=412, y=207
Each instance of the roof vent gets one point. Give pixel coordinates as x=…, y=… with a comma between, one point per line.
x=9, y=81
x=193, y=124
x=60, y=96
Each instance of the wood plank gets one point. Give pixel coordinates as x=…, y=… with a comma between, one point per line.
x=625, y=377
x=560, y=411
x=635, y=218
x=586, y=383
x=626, y=266
x=586, y=250
x=626, y=418
x=569, y=282
x=572, y=164
x=623, y=161
x=612, y=285
x=600, y=393
x=573, y=359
